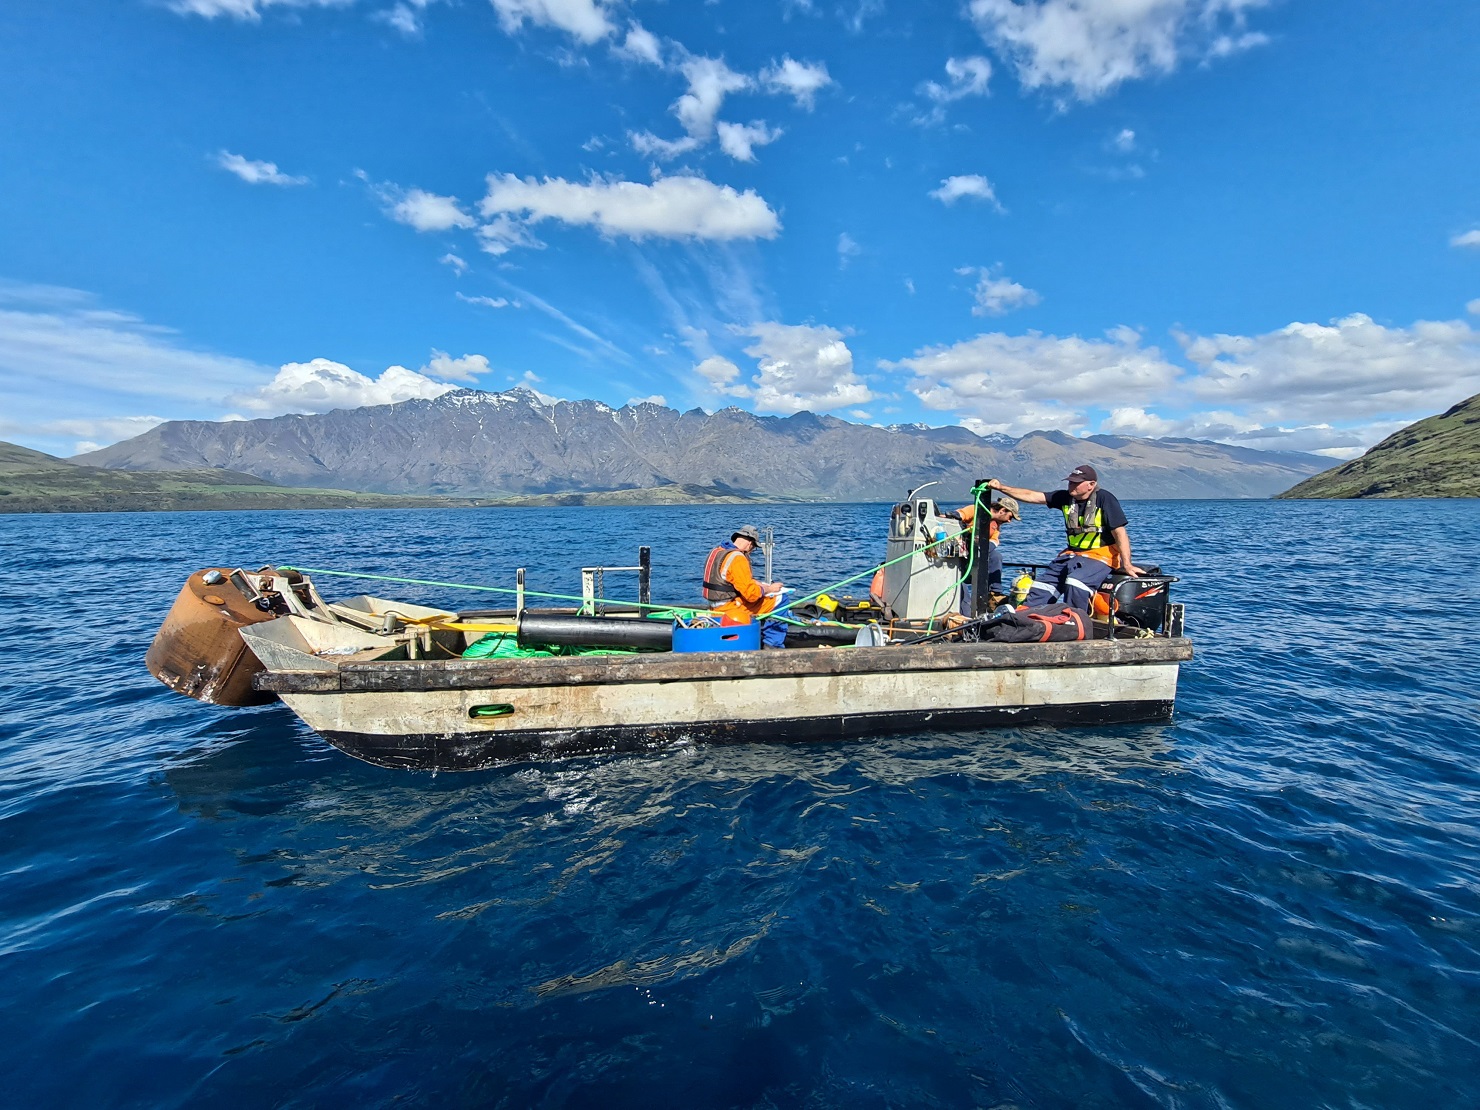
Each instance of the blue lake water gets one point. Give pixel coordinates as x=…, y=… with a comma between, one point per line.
x=1271, y=901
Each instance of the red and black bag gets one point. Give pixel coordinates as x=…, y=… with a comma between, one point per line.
x=1040, y=625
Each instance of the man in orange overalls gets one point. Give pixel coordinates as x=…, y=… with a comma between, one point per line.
x=732, y=590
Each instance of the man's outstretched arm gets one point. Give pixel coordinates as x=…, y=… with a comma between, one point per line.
x=1031, y=496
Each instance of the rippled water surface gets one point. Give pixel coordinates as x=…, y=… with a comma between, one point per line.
x=1271, y=901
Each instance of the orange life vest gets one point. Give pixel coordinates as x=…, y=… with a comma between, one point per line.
x=717, y=590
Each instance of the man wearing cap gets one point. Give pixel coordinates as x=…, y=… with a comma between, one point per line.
x=732, y=590
x=1003, y=510
x=1098, y=541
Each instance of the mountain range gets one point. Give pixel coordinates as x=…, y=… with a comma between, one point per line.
x=471, y=443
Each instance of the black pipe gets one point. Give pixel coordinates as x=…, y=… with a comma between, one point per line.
x=579, y=631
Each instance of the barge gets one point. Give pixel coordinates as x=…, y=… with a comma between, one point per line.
x=399, y=685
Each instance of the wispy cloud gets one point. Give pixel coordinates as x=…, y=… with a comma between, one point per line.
x=486, y=302
x=247, y=10
x=65, y=359
x=256, y=173
x=1467, y=239
x=580, y=329
x=848, y=250
x=964, y=77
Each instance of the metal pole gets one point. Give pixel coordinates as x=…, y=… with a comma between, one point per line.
x=981, y=528
x=770, y=542
x=519, y=591
x=644, y=579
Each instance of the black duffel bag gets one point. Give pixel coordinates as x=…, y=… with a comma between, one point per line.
x=1041, y=624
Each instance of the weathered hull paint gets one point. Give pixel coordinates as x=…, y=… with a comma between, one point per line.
x=475, y=751
x=436, y=728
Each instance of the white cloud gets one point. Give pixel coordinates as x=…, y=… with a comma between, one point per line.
x=801, y=80
x=719, y=372
x=458, y=265
x=256, y=173
x=1473, y=307
x=1468, y=239
x=1014, y=384
x=502, y=234
x=446, y=368
x=1125, y=142
x=640, y=45
x=429, y=212
x=1229, y=427
x=738, y=140
x=405, y=16
x=848, y=249
x=710, y=81
x=964, y=77
x=586, y=20
x=975, y=185
x=1352, y=369
x=803, y=367
x=670, y=208
x=247, y=10
x=997, y=295
x=655, y=399
x=1090, y=46
x=486, y=302
x=321, y=385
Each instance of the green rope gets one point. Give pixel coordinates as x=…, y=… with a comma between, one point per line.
x=485, y=589
x=692, y=611
x=976, y=521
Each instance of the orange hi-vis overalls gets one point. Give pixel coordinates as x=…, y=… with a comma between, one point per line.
x=731, y=588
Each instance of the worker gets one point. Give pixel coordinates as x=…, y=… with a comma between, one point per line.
x=1097, y=536
x=1002, y=510
x=732, y=590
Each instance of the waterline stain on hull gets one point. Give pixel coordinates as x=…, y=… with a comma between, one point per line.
x=476, y=751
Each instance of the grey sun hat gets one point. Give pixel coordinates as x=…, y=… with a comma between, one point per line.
x=749, y=531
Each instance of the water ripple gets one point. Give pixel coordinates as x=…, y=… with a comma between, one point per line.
x=1273, y=900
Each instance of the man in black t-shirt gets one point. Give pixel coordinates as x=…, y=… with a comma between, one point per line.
x=1098, y=542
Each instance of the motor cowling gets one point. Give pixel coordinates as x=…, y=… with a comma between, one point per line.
x=198, y=651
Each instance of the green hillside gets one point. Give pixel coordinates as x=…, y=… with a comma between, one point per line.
x=33, y=482
x=1436, y=457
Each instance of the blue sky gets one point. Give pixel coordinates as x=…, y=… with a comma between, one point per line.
x=1256, y=221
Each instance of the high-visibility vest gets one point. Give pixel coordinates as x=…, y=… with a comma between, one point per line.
x=717, y=591
x=1085, y=523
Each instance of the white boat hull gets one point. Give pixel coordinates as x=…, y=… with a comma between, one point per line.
x=465, y=714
